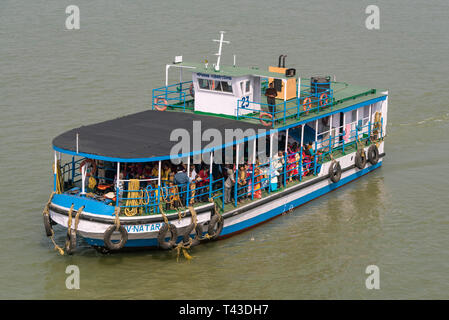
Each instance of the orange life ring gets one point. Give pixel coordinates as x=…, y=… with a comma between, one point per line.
x=307, y=104
x=192, y=92
x=323, y=99
x=94, y=167
x=263, y=121
x=164, y=104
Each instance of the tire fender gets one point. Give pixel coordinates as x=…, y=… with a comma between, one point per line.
x=115, y=245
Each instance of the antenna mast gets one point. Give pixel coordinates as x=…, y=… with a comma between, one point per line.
x=221, y=41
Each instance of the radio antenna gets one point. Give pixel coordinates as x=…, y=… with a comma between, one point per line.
x=221, y=41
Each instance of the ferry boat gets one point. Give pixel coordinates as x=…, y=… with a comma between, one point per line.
x=227, y=149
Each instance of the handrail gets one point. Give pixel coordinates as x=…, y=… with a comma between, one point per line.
x=178, y=96
x=152, y=197
x=307, y=102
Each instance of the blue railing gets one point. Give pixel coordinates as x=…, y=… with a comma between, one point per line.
x=174, y=96
x=151, y=197
x=308, y=102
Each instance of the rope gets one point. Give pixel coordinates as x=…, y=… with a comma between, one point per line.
x=207, y=236
x=61, y=251
x=77, y=217
x=183, y=247
x=180, y=215
x=59, y=181
x=117, y=219
x=134, y=198
x=163, y=214
x=47, y=206
x=69, y=225
x=69, y=222
x=194, y=216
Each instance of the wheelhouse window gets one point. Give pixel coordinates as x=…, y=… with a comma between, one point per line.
x=215, y=85
x=203, y=83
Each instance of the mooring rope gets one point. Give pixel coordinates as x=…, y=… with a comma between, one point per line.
x=47, y=206
x=77, y=217
x=117, y=219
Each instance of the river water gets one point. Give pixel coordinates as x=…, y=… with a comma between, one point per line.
x=53, y=79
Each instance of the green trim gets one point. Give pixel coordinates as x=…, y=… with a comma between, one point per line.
x=216, y=115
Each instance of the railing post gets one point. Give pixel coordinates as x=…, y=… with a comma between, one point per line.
x=238, y=106
x=300, y=165
x=152, y=100
x=285, y=157
x=254, y=168
x=285, y=110
x=222, y=194
x=73, y=170
x=315, y=158
x=369, y=131
x=381, y=127
x=210, y=174
x=236, y=174
x=117, y=195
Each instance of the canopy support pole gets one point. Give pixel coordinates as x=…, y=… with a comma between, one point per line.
x=236, y=174
x=118, y=185
x=210, y=174
x=54, y=172
x=285, y=157
x=188, y=183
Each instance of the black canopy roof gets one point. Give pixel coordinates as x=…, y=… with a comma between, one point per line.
x=141, y=136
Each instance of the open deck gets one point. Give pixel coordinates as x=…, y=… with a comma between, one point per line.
x=289, y=112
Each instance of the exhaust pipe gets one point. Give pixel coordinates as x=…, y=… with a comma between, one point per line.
x=280, y=58
x=283, y=61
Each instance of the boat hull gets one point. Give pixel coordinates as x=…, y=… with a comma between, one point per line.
x=144, y=233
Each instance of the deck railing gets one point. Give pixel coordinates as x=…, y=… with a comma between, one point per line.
x=174, y=96
x=306, y=103
x=149, y=198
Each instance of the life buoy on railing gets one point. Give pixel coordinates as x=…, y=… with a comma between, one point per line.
x=323, y=100
x=163, y=105
x=192, y=91
x=93, y=164
x=261, y=115
x=307, y=104
x=162, y=233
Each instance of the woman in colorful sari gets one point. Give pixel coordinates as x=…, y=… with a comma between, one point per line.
x=257, y=178
x=292, y=166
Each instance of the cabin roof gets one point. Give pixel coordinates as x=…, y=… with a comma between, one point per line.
x=230, y=71
x=143, y=136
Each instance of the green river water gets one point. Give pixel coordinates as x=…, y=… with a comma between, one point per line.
x=53, y=79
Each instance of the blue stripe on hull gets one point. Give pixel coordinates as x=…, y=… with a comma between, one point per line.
x=258, y=219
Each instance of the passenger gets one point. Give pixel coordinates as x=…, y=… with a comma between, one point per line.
x=271, y=94
x=241, y=193
x=181, y=180
x=278, y=163
x=193, y=177
x=203, y=183
x=155, y=171
x=229, y=183
x=257, y=178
